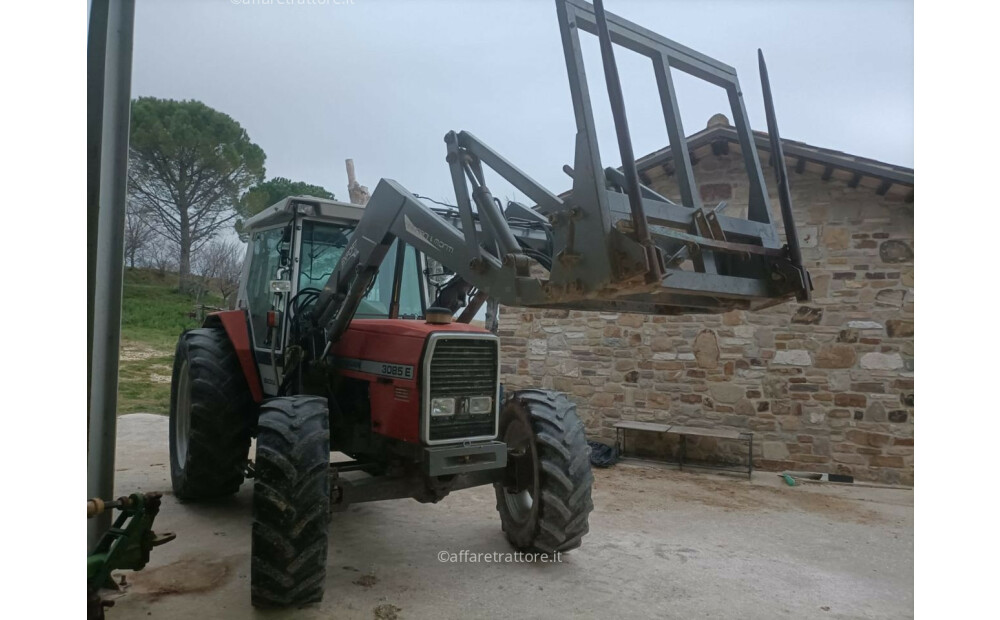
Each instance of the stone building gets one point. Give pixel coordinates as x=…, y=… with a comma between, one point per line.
x=825, y=386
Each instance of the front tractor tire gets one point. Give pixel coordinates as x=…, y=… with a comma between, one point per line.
x=545, y=501
x=291, y=502
x=210, y=417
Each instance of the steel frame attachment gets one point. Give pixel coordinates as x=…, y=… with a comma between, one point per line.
x=610, y=244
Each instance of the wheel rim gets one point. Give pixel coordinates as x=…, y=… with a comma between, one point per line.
x=519, y=504
x=182, y=414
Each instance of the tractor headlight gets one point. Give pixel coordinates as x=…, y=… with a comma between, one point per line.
x=460, y=379
x=442, y=406
x=479, y=405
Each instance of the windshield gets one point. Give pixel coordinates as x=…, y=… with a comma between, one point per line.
x=322, y=245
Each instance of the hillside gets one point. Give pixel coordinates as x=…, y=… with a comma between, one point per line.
x=154, y=313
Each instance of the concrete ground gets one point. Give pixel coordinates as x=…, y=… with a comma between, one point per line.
x=662, y=544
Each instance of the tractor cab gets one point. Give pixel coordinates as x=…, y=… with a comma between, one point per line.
x=294, y=246
x=405, y=374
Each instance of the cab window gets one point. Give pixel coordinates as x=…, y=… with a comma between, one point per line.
x=263, y=267
x=322, y=246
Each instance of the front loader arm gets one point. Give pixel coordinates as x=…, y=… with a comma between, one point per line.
x=610, y=244
x=391, y=213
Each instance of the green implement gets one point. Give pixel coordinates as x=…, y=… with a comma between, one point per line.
x=125, y=546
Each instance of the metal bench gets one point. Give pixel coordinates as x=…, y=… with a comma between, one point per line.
x=621, y=429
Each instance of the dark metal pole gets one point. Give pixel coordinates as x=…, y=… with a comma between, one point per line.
x=780, y=171
x=106, y=207
x=625, y=142
x=96, y=47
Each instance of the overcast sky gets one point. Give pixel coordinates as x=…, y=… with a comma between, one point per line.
x=382, y=81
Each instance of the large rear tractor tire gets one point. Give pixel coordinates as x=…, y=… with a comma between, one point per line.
x=210, y=416
x=545, y=506
x=291, y=502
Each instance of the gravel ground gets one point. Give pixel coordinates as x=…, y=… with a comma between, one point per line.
x=662, y=544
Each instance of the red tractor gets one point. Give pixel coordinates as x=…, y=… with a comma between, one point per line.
x=410, y=396
x=353, y=330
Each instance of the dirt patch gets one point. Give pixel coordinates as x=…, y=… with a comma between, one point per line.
x=182, y=577
x=654, y=487
x=367, y=580
x=134, y=352
x=161, y=373
x=386, y=611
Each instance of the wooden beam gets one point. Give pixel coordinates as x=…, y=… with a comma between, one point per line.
x=883, y=188
x=720, y=147
x=854, y=180
x=800, y=166
x=827, y=173
x=668, y=169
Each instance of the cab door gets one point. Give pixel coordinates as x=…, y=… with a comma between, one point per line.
x=269, y=261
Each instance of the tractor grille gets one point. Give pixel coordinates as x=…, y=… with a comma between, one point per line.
x=461, y=368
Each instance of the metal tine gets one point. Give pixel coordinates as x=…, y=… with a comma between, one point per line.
x=625, y=143
x=780, y=170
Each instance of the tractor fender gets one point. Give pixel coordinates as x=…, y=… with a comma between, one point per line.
x=235, y=324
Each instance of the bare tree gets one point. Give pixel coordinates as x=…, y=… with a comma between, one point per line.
x=160, y=255
x=221, y=264
x=138, y=234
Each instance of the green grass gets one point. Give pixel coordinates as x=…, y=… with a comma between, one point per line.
x=144, y=386
x=154, y=313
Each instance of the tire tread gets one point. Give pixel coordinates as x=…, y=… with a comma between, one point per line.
x=565, y=478
x=221, y=417
x=291, y=503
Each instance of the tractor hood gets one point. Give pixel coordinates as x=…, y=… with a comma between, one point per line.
x=412, y=328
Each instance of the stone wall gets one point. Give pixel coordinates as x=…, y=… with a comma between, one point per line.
x=825, y=386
